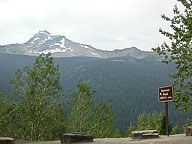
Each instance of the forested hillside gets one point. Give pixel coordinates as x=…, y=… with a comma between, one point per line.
x=131, y=83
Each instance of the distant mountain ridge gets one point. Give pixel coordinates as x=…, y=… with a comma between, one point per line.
x=60, y=46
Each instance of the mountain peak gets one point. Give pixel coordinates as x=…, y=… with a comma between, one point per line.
x=39, y=37
x=44, y=32
x=60, y=46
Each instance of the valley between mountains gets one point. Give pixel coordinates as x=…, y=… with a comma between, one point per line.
x=130, y=77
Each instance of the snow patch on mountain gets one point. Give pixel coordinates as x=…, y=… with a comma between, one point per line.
x=85, y=46
x=51, y=51
x=61, y=44
x=42, y=41
x=36, y=38
x=70, y=49
x=94, y=54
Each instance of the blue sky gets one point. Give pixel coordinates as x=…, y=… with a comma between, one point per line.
x=104, y=24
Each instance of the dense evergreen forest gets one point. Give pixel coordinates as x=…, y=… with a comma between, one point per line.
x=130, y=83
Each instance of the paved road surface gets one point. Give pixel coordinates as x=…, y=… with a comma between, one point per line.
x=174, y=139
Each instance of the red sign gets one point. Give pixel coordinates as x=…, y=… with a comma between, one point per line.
x=165, y=94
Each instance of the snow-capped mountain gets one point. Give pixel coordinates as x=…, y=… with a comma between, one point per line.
x=60, y=46
x=44, y=42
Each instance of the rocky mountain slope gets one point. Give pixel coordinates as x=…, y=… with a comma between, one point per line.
x=60, y=46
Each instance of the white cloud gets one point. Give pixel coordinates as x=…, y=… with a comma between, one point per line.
x=105, y=24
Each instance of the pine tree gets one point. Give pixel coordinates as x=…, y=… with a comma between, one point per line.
x=163, y=126
x=143, y=121
x=129, y=130
x=175, y=130
x=117, y=134
x=155, y=121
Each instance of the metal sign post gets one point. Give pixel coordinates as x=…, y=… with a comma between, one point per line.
x=166, y=114
x=165, y=94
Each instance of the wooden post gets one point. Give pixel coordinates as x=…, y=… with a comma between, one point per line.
x=166, y=114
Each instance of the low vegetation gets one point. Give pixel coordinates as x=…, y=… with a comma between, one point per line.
x=156, y=121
